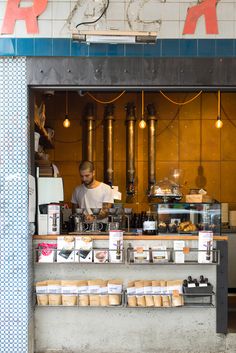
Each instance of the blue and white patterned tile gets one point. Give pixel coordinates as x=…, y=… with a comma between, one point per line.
x=15, y=269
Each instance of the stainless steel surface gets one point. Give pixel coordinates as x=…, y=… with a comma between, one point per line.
x=130, y=148
x=152, y=122
x=88, y=143
x=79, y=211
x=95, y=211
x=108, y=143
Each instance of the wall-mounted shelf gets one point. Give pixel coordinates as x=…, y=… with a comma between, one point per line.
x=131, y=237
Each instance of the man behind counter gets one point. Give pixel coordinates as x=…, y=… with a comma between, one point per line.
x=92, y=193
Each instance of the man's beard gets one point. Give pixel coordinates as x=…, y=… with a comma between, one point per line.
x=87, y=183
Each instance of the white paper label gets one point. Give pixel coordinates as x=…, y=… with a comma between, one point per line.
x=103, y=290
x=191, y=285
x=83, y=289
x=94, y=289
x=149, y=225
x=69, y=289
x=131, y=290
x=41, y=289
x=148, y=290
x=54, y=289
x=156, y=290
x=140, y=290
x=202, y=284
x=114, y=288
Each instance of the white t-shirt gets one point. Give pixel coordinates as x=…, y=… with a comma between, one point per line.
x=93, y=198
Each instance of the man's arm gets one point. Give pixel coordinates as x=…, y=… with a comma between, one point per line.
x=104, y=210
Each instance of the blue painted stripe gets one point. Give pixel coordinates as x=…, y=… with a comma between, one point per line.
x=163, y=48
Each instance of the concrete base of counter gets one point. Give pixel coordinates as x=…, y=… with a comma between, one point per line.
x=126, y=330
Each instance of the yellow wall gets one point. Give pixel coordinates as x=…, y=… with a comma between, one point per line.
x=185, y=135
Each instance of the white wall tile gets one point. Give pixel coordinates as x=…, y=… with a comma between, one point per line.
x=60, y=10
x=47, y=14
x=116, y=11
x=60, y=30
x=45, y=28
x=226, y=29
x=226, y=11
x=170, y=12
x=169, y=29
x=2, y=9
x=183, y=9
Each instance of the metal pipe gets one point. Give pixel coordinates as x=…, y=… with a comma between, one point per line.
x=88, y=143
x=151, y=121
x=130, y=148
x=108, y=143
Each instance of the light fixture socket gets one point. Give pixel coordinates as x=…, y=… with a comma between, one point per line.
x=115, y=37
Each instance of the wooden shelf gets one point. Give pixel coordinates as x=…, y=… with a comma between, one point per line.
x=131, y=237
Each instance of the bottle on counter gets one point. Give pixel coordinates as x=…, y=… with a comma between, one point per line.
x=149, y=225
x=130, y=253
x=118, y=250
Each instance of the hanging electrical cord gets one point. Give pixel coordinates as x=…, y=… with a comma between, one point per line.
x=105, y=102
x=91, y=22
x=172, y=120
x=182, y=103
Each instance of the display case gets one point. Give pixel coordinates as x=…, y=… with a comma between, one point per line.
x=187, y=218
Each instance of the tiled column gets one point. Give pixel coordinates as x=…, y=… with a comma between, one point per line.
x=15, y=243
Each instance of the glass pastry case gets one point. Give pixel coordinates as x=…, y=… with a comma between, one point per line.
x=185, y=218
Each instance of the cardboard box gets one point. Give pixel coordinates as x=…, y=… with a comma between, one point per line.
x=197, y=198
x=84, y=245
x=205, y=244
x=65, y=246
x=115, y=241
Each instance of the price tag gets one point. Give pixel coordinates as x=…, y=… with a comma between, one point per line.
x=191, y=285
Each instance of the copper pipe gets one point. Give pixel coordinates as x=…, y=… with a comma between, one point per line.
x=88, y=143
x=130, y=148
x=108, y=143
x=151, y=121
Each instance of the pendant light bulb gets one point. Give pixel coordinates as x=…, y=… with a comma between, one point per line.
x=218, y=123
x=66, y=122
x=142, y=124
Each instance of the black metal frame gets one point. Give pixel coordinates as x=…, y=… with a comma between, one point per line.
x=129, y=73
x=132, y=73
x=222, y=289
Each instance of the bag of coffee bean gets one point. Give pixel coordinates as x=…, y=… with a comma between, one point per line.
x=131, y=294
x=82, y=289
x=94, y=292
x=42, y=293
x=139, y=286
x=54, y=292
x=147, y=285
x=69, y=291
x=114, y=291
x=104, y=298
